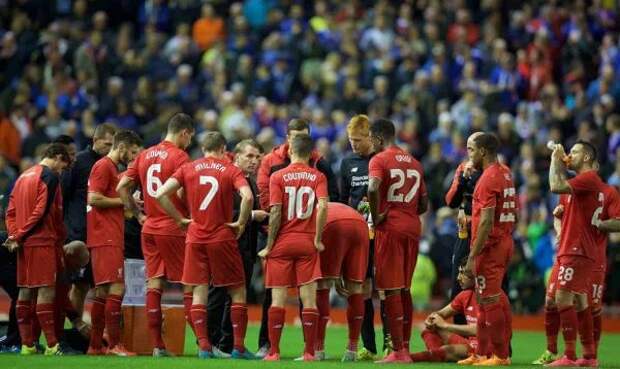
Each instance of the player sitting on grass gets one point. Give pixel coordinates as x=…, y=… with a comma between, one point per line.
x=452, y=342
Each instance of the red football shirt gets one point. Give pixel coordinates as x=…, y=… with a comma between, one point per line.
x=609, y=208
x=465, y=303
x=104, y=226
x=495, y=189
x=34, y=213
x=402, y=186
x=297, y=188
x=209, y=185
x=579, y=234
x=151, y=169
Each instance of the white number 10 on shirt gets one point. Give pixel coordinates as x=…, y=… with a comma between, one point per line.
x=295, y=202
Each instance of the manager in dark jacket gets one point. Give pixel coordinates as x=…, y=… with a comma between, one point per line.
x=247, y=157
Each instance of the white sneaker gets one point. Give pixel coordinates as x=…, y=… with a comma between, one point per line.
x=219, y=353
x=319, y=355
x=349, y=356
x=262, y=352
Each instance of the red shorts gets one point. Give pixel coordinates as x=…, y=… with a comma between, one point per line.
x=37, y=266
x=216, y=263
x=574, y=274
x=108, y=264
x=163, y=256
x=490, y=267
x=395, y=259
x=346, y=250
x=292, y=264
x=595, y=299
x=553, y=281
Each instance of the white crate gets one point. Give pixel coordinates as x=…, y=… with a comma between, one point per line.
x=135, y=282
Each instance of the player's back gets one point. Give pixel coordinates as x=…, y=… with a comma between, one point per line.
x=495, y=188
x=402, y=186
x=298, y=188
x=338, y=212
x=153, y=167
x=579, y=233
x=209, y=184
x=24, y=200
x=610, y=210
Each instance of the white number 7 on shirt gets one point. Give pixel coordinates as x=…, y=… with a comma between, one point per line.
x=411, y=173
x=211, y=194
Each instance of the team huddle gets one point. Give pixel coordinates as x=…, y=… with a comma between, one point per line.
x=194, y=214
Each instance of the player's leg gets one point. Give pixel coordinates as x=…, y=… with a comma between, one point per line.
x=197, y=276
x=309, y=317
x=45, y=313
x=586, y=330
x=445, y=353
x=25, y=313
x=239, y=319
x=355, y=311
x=322, y=303
x=113, y=317
x=552, y=321
x=188, y=297
x=432, y=339
x=198, y=313
x=155, y=272
x=597, y=307
x=276, y=316
x=97, y=319
x=411, y=257
x=368, y=324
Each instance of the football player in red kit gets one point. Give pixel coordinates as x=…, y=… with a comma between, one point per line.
x=345, y=259
x=451, y=342
x=577, y=251
x=294, y=241
x=211, y=252
x=163, y=241
x=397, y=196
x=36, y=231
x=493, y=220
x=105, y=223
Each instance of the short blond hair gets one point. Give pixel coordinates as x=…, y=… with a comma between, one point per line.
x=359, y=124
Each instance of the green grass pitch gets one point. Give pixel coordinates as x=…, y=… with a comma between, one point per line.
x=526, y=345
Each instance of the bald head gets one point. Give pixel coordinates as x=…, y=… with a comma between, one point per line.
x=473, y=136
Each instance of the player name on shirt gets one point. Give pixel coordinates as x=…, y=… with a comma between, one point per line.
x=157, y=154
x=294, y=176
x=210, y=165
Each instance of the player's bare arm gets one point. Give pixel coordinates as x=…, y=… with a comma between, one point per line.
x=162, y=197
x=465, y=330
x=373, y=201
x=484, y=229
x=247, y=201
x=609, y=225
x=125, y=188
x=100, y=201
x=321, y=219
x=275, y=219
x=557, y=172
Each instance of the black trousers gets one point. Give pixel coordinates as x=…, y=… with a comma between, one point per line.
x=218, y=308
x=8, y=282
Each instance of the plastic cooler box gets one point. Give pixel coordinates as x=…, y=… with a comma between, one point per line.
x=135, y=334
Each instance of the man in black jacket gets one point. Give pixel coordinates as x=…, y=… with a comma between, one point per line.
x=74, y=184
x=247, y=157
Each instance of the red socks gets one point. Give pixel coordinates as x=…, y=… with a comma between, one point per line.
x=239, y=319
x=482, y=334
x=97, y=318
x=585, y=333
x=113, y=319
x=23, y=311
x=434, y=356
x=597, y=321
x=355, y=317
x=153, y=316
x=199, y=318
x=568, y=320
x=45, y=314
x=188, y=298
x=322, y=304
x=405, y=296
x=431, y=339
x=309, y=321
x=552, y=328
x=276, y=323
x=496, y=326
x=394, y=312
